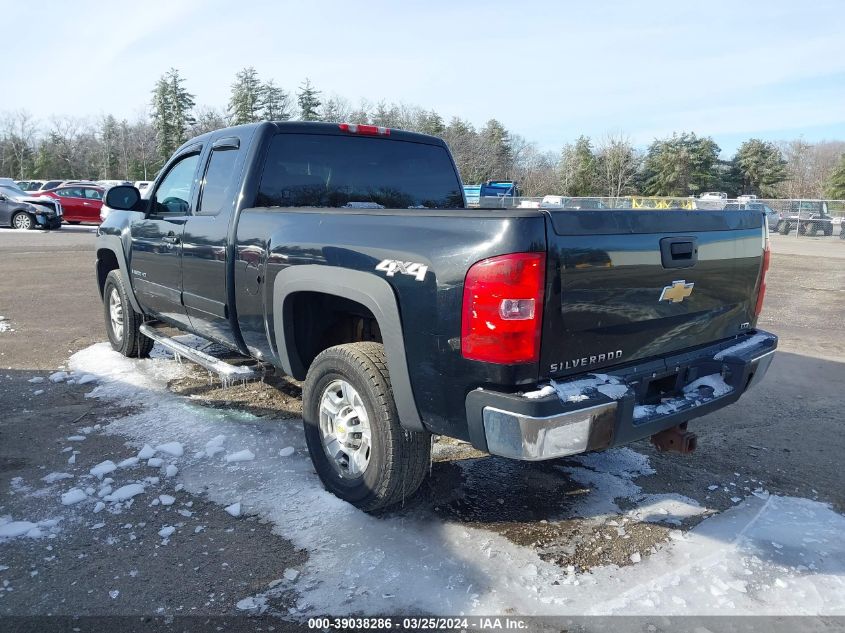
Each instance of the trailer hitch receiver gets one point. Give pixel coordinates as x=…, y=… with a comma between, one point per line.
x=676, y=439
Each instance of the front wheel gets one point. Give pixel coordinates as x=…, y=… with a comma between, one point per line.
x=23, y=221
x=122, y=322
x=357, y=446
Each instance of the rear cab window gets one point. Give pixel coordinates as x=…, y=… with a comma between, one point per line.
x=315, y=170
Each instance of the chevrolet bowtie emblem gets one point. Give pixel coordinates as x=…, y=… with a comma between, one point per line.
x=677, y=292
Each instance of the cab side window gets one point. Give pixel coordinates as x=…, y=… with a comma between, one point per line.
x=219, y=181
x=174, y=193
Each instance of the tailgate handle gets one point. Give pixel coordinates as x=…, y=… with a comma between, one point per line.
x=679, y=252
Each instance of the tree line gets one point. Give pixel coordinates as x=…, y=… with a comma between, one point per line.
x=682, y=164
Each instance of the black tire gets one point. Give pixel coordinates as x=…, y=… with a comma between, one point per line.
x=802, y=228
x=398, y=459
x=72, y=221
x=130, y=342
x=828, y=230
x=842, y=231
x=23, y=221
x=783, y=228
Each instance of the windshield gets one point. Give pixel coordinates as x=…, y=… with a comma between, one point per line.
x=13, y=192
x=316, y=170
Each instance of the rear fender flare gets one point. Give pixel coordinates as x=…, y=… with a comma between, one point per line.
x=114, y=244
x=368, y=290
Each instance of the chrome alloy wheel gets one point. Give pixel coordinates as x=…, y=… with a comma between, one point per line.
x=22, y=221
x=345, y=429
x=116, y=314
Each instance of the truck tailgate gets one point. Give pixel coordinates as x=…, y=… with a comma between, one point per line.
x=629, y=285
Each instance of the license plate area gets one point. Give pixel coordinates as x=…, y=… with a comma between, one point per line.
x=654, y=390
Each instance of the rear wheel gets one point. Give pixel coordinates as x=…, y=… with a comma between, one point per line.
x=23, y=221
x=357, y=446
x=783, y=228
x=802, y=228
x=122, y=322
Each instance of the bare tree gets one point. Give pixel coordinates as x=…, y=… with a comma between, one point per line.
x=809, y=166
x=18, y=140
x=618, y=163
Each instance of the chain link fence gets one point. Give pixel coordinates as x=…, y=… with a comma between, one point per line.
x=797, y=216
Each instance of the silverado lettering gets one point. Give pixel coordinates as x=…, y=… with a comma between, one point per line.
x=585, y=361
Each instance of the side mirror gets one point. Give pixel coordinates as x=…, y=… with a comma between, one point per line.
x=122, y=197
x=3, y=198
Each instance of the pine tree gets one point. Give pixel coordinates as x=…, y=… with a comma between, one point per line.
x=431, y=123
x=497, y=145
x=761, y=167
x=183, y=104
x=245, y=103
x=275, y=103
x=681, y=165
x=308, y=98
x=171, y=112
x=835, y=187
x=579, y=169
x=110, y=145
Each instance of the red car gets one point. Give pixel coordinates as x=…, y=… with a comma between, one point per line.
x=80, y=203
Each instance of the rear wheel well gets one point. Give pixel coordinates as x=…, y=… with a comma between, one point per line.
x=106, y=262
x=321, y=321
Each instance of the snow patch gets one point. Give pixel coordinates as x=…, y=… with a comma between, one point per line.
x=455, y=568
x=245, y=455
x=666, y=508
x=72, y=496
x=752, y=341
x=103, y=468
x=174, y=449
x=125, y=492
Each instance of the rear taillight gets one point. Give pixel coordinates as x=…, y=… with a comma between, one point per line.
x=767, y=253
x=503, y=309
x=367, y=130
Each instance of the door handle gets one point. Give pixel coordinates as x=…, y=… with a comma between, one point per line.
x=170, y=238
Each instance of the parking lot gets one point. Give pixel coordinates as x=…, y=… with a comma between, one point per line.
x=484, y=535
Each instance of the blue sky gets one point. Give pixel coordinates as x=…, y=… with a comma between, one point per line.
x=549, y=71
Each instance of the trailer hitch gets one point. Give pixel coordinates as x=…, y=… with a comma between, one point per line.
x=676, y=439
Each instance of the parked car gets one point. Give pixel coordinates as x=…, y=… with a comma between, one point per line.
x=30, y=185
x=343, y=255
x=105, y=184
x=773, y=218
x=80, y=203
x=17, y=212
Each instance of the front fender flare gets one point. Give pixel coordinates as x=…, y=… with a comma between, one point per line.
x=114, y=244
x=368, y=290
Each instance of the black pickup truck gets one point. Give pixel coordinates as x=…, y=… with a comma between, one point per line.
x=344, y=256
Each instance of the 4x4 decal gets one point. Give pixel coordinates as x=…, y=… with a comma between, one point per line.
x=393, y=266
